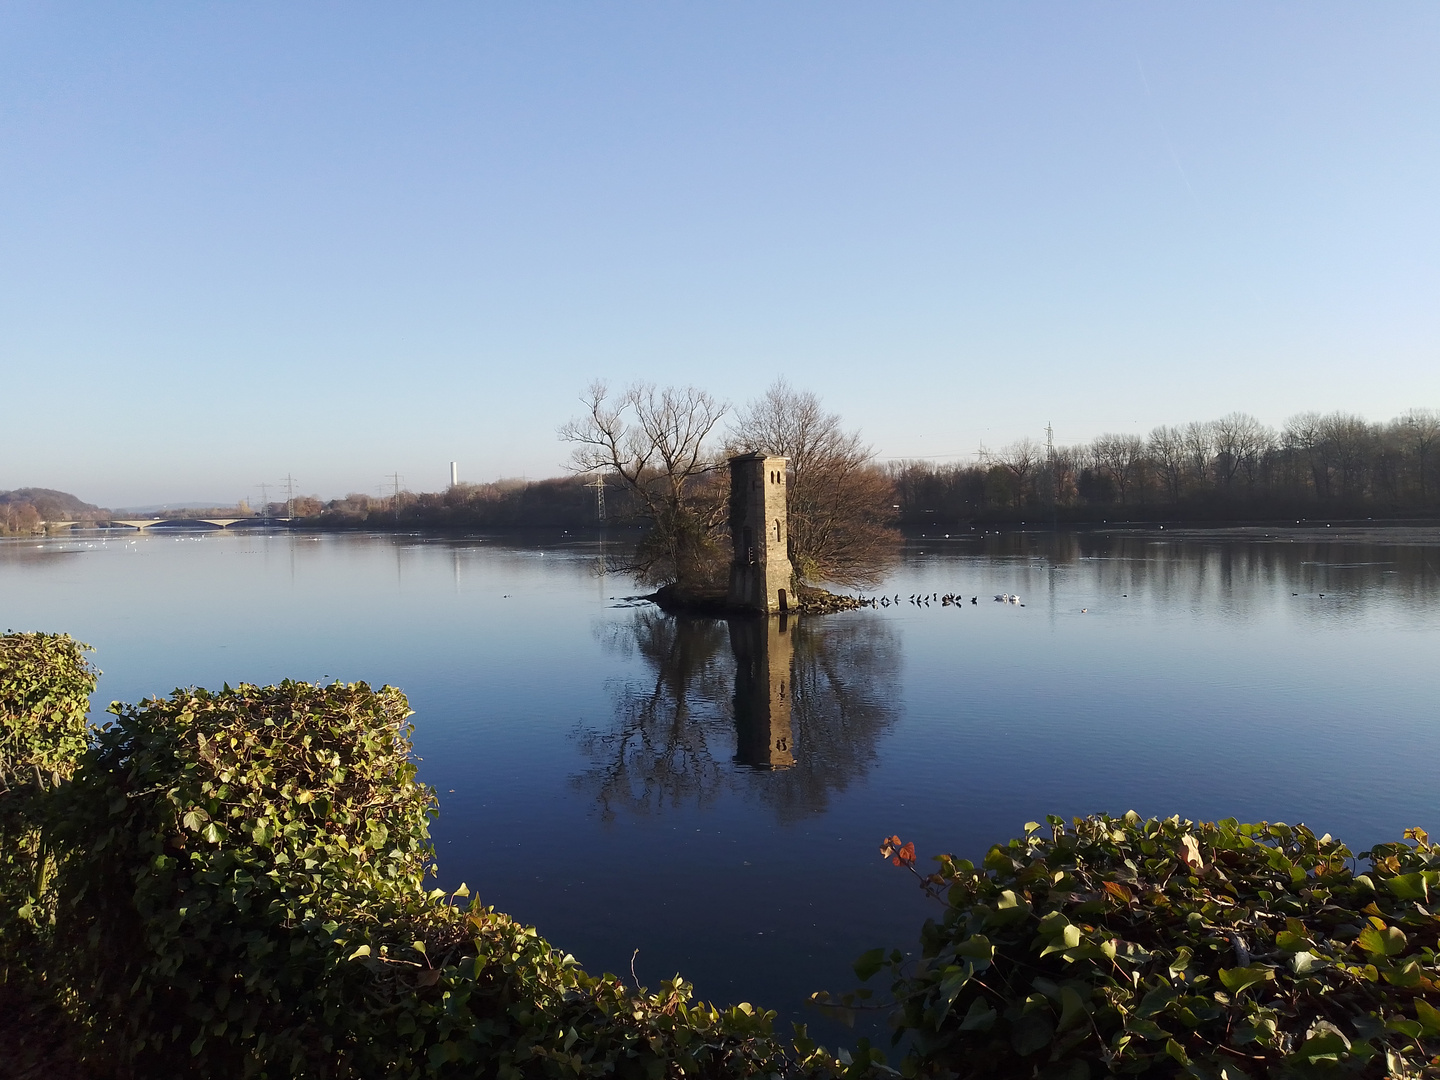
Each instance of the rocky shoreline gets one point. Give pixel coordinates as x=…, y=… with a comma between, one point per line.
x=714, y=602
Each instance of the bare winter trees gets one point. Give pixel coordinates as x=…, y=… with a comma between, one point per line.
x=1236, y=466
x=658, y=444
x=839, y=501
x=1166, y=450
x=665, y=449
x=1118, y=458
x=1241, y=442
x=655, y=442
x=1418, y=432
x=1022, y=462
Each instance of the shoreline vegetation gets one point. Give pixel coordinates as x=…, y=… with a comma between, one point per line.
x=1331, y=467
x=235, y=883
x=650, y=465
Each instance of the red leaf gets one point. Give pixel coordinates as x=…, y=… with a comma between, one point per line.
x=1119, y=892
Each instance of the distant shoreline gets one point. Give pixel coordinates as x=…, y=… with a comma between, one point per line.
x=1408, y=530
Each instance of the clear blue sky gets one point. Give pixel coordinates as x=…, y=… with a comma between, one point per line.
x=346, y=239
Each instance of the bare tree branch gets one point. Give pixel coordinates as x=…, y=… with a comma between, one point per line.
x=655, y=442
x=839, y=501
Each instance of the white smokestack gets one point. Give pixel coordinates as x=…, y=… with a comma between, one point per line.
x=454, y=473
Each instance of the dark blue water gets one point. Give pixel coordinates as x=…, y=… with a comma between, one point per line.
x=613, y=776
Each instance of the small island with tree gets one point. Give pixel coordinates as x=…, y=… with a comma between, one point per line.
x=759, y=522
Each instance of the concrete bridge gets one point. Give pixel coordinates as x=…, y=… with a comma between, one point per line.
x=142, y=524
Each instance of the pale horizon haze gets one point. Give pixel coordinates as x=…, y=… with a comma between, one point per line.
x=342, y=241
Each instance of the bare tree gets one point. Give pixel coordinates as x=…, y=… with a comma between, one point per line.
x=1240, y=442
x=1166, y=448
x=1065, y=473
x=1420, y=435
x=655, y=443
x=1023, y=459
x=1304, y=435
x=1352, y=442
x=1120, y=458
x=1199, y=439
x=839, y=500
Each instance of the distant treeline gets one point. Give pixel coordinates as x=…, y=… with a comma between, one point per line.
x=1234, y=468
x=569, y=502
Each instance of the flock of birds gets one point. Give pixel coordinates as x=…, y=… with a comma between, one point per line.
x=925, y=600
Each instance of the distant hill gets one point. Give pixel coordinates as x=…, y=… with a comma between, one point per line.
x=50, y=505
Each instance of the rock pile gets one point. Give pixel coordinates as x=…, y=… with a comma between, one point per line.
x=821, y=602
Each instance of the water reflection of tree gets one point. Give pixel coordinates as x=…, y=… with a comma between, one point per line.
x=657, y=753
x=672, y=739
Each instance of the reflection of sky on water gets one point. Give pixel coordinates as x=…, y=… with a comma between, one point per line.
x=1208, y=677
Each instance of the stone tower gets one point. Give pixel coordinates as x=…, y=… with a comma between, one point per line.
x=760, y=568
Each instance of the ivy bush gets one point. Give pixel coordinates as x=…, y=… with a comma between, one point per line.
x=216, y=843
x=45, y=687
x=242, y=893
x=1122, y=946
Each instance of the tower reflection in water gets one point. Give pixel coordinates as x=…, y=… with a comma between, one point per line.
x=788, y=714
x=764, y=658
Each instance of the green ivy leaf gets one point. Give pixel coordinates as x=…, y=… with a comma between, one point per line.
x=869, y=964
x=1030, y=1033
x=1238, y=980
x=1409, y=1028
x=1428, y=1015
x=979, y=1017
x=1413, y=886
x=1377, y=942
x=1073, y=1010
x=1324, y=1046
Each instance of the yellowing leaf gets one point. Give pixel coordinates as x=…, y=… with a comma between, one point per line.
x=1377, y=942
x=1190, y=852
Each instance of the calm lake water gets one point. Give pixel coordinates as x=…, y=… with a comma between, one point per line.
x=619, y=779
